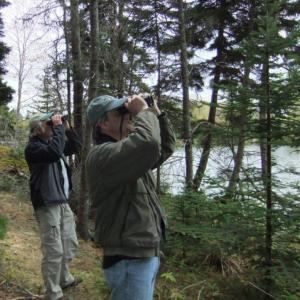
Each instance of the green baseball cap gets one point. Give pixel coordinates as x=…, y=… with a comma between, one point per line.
x=101, y=105
x=37, y=118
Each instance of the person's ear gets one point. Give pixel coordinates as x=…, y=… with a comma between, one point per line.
x=39, y=130
x=102, y=124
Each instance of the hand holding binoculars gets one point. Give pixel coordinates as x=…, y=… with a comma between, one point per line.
x=64, y=119
x=126, y=110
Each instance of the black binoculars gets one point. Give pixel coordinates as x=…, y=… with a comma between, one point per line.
x=148, y=98
x=63, y=119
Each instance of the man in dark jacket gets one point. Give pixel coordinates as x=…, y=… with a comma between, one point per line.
x=51, y=140
x=130, y=221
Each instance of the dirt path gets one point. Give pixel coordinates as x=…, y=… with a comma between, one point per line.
x=20, y=258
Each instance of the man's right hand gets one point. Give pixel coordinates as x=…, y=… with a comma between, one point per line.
x=56, y=120
x=135, y=104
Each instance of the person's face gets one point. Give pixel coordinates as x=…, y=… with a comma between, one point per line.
x=45, y=131
x=111, y=124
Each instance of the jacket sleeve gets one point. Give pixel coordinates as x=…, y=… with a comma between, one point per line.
x=73, y=143
x=38, y=152
x=127, y=160
x=168, y=139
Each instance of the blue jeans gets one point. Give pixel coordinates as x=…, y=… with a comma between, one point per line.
x=132, y=279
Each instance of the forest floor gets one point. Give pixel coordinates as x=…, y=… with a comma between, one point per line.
x=20, y=253
x=20, y=264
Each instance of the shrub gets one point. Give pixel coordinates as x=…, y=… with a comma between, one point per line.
x=2, y=227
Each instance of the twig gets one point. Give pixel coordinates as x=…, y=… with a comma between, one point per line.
x=200, y=292
x=23, y=289
x=261, y=290
x=26, y=298
x=192, y=285
x=3, y=282
x=26, y=291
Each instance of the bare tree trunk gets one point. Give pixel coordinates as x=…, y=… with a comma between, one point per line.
x=23, y=42
x=67, y=41
x=187, y=135
x=92, y=93
x=266, y=161
x=77, y=68
x=68, y=68
x=120, y=36
x=20, y=90
x=207, y=140
x=77, y=99
x=117, y=8
x=238, y=157
x=130, y=74
x=60, y=104
x=158, y=86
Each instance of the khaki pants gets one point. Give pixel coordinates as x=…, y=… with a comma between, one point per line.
x=59, y=242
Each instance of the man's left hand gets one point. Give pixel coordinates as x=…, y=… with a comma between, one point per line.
x=66, y=124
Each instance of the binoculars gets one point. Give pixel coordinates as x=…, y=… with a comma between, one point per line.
x=63, y=119
x=148, y=98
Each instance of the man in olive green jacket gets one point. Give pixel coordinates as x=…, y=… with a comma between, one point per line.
x=130, y=221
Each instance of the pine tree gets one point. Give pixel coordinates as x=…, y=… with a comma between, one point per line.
x=5, y=91
x=268, y=50
x=219, y=18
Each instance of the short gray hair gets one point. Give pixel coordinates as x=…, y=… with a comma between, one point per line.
x=34, y=129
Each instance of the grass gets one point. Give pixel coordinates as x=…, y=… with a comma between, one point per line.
x=21, y=256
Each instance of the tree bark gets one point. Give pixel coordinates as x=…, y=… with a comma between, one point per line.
x=266, y=159
x=92, y=93
x=207, y=140
x=187, y=132
x=76, y=68
x=158, y=86
x=117, y=8
x=67, y=41
x=238, y=157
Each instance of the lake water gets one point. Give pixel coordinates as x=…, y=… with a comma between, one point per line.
x=286, y=167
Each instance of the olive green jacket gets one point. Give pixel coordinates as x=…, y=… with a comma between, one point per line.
x=129, y=219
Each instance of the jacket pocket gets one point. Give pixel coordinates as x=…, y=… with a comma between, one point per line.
x=140, y=228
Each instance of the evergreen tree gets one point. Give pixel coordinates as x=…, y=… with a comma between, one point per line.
x=5, y=91
x=219, y=17
x=50, y=98
x=270, y=48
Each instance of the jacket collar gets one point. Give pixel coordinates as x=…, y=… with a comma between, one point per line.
x=104, y=138
x=36, y=138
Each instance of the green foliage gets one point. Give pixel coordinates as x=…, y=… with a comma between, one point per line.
x=212, y=224
x=13, y=129
x=229, y=237
x=5, y=91
x=172, y=107
x=13, y=170
x=51, y=91
x=12, y=159
x=3, y=223
x=7, y=183
x=7, y=122
x=169, y=276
